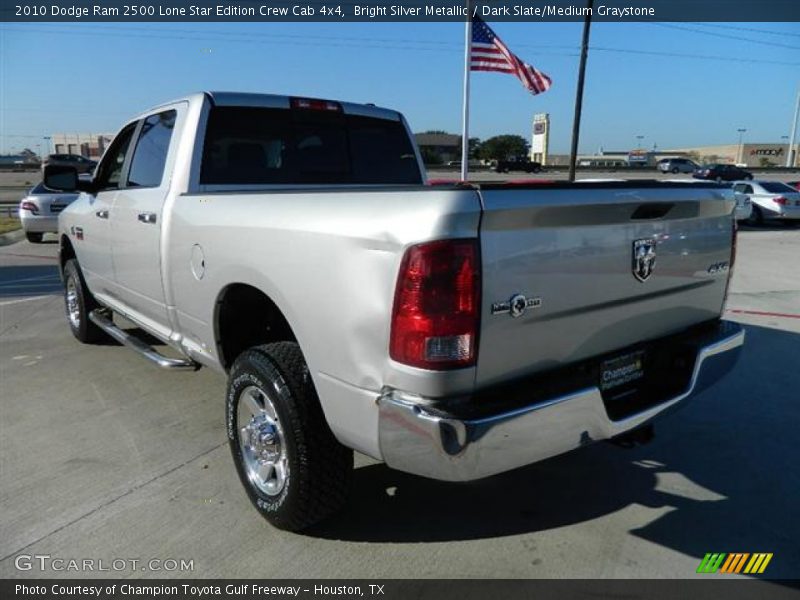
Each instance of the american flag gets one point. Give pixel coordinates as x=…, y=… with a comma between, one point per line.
x=489, y=53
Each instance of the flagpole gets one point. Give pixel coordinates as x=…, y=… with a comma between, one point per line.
x=465, y=103
x=790, y=156
x=576, y=122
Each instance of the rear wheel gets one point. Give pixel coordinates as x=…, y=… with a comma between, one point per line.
x=34, y=238
x=294, y=470
x=79, y=302
x=756, y=217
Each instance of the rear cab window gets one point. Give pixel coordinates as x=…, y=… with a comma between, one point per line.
x=776, y=187
x=246, y=146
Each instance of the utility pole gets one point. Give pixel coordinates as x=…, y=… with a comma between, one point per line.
x=576, y=122
x=792, y=151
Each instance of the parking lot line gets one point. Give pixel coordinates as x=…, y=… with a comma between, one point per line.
x=762, y=313
x=21, y=300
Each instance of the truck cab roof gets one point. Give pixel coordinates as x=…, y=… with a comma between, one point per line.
x=248, y=99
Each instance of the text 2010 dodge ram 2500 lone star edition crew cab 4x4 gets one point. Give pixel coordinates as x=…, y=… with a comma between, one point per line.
x=453, y=332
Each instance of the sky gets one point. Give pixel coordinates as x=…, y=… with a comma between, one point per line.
x=655, y=80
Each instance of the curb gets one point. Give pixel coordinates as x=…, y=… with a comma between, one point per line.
x=11, y=237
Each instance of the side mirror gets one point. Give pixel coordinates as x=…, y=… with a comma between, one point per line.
x=60, y=178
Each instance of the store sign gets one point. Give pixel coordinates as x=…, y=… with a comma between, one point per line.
x=766, y=152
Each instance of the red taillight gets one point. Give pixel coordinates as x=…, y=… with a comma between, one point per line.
x=30, y=206
x=781, y=200
x=436, y=311
x=311, y=104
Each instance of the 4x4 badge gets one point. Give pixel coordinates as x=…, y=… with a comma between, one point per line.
x=516, y=306
x=644, y=258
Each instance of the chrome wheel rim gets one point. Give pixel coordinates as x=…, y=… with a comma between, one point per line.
x=73, y=306
x=261, y=441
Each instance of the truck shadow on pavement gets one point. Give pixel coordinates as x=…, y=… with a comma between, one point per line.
x=31, y=280
x=721, y=476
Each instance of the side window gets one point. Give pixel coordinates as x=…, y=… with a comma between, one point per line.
x=150, y=154
x=110, y=170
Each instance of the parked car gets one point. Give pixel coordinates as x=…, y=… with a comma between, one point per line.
x=453, y=332
x=80, y=163
x=39, y=210
x=677, y=165
x=744, y=207
x=771, y=200
x=522, y=163
x=720, y=173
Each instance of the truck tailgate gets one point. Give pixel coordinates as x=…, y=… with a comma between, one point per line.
x=595, y=267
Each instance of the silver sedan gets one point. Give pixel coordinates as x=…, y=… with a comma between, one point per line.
x=771, y=200
x=39, y=210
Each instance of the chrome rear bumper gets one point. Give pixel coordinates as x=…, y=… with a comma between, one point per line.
x=418, y=440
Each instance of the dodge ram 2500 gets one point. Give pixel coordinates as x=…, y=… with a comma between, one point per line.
x=452, y=331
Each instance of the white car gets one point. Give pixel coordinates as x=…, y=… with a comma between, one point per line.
x=39, y=210
x=771, y=200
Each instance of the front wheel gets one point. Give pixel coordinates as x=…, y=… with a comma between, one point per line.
x=294, y=470
x=34, y=238
x=79, y=302
x=675, y=171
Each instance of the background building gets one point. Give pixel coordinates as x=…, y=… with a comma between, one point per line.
x=439, y=148
x=90, y=145
x=751, y=155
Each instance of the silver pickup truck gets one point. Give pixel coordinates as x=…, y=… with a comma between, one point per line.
x=452, y=331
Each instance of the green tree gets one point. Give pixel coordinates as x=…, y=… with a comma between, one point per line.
x=474, y=148
x=503, y=147
x=429, y=156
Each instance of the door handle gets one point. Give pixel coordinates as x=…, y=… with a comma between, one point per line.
x=102, y=214
x=147, y=217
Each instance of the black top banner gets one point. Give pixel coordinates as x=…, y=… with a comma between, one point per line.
x=121, y=11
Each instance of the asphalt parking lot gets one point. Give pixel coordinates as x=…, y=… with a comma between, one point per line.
x=104, y=457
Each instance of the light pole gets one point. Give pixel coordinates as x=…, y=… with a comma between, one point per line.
x=790, y=155
x=45, y=146
x=741, y=148
x=639, y=139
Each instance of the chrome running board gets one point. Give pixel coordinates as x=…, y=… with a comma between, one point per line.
x=99, y=317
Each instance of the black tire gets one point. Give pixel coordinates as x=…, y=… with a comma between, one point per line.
x=756, y=218
x=34, y=238
x=748, y=177
x=82, y=328
x=675, y=170
x=318, y=469
x=719, y=180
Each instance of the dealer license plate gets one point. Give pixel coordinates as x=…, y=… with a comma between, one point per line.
x=621, y=370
